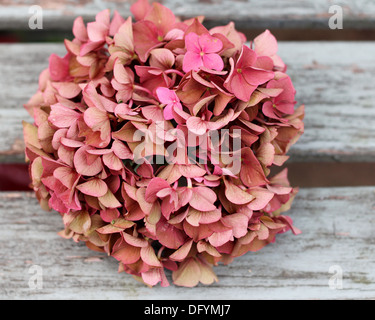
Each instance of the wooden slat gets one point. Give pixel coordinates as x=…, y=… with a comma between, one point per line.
x=14, y=14
x=333, y=80
x=338, y=230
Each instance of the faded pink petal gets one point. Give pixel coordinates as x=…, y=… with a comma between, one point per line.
x=203, y=199
x=168, y=235
x=87, y=164
x=239, y=223
x=197, y=126
x=140, y=9
x=265, y=44
x=182, y=252
x=98, y=120
x=116, y=23
x=68, y=90
x=98, y=30
x=218, y=239
x=252, y=174
x=79, y=30
x=262, y=198
x=162, y=17
x=236, y=195
x=59, y=68
x=162, y=58
x=63, y=117
x=94, y=187
x=188, y=274
x=154, y=186
x=108, y=215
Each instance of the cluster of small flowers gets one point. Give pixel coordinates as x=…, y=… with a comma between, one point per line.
x=120, y=77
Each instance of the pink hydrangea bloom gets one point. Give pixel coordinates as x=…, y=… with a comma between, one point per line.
x=154, y=139
x=202, y=51
x=171, y=100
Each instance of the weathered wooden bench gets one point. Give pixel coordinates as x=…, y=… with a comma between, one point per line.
x=335, y=82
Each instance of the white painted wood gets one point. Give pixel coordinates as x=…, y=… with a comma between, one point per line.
x=14, y=14
x=338, y=227
x=333, y=79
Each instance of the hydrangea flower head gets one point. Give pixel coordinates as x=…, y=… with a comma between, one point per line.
x=154, y=139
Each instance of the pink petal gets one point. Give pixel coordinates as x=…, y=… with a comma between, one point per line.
x=257, y=77
x=266, y=154
x=94, y=188
x=188, y=274
x=266, y=44
x=79, y=30
x=168, y=235
x=195, y=218
x=218, y=239
x=146, y=38
x=191, y=171
x=152, y=277
x=86, y=164
x=121, y=150
x=67, y=176
x=112, y=162
x=98, y=120
x=162, y=58
x=181, y=253
x=109, y=200
x=148, y=256
x=213, y=61
x=108, y=215
x=117, y=22
x=96, y=31
x=135, y=241
x=239, y=223
x=210, y=44
x=63, y=117
x=124, y=37
x=90, y=46
x=236, y=195
x=192, y=43
x=127, y=254
x=197, y=126
x=162, y=17
x=155, y=185
x=262, y=199
x=59, y=67
x=123, y=75
x=192, y=61
x=168, y=112
x=140, y=9
x=166, y=96
x=252, y=174
x=270, y=111
x=240, y=88
x=68, y=90
x=203, y=199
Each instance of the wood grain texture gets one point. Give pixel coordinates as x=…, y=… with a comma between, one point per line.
x=333, y=79
x=14, y=14
x=338, y=230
